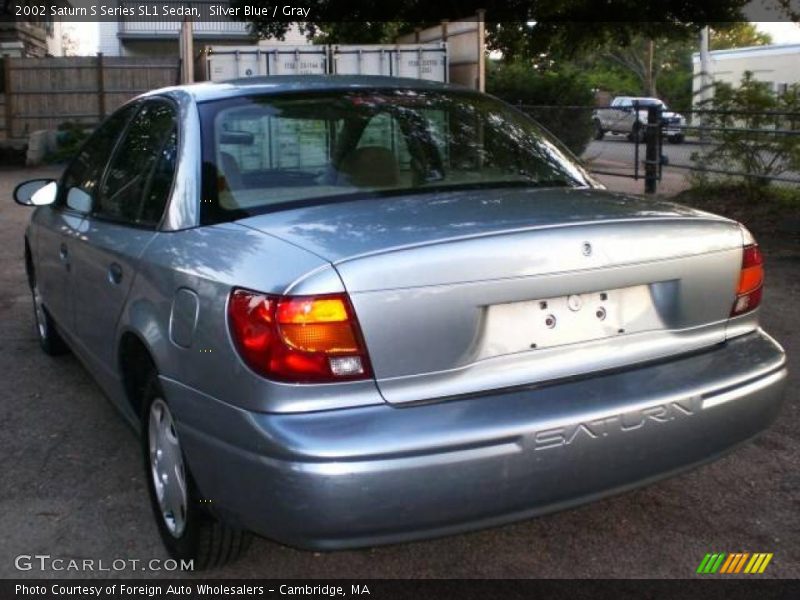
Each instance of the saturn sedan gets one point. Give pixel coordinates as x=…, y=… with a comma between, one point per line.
x=343, y=312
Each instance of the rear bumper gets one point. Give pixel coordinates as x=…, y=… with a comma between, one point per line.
x=382, y=474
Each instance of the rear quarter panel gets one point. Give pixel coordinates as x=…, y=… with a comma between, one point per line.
x=210, y=261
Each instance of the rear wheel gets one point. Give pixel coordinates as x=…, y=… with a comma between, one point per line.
x=188, y=531
x=676, y=139
x=599, y=133
x=49, y=339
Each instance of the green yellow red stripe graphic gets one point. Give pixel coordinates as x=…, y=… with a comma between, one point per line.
x=734, y=562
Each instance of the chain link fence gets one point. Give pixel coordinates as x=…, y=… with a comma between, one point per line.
x=649, y=144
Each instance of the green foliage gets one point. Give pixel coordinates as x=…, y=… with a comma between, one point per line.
x=625, y=68
x=740, y=34
x=347, y=32
x=612, y=79
x=675, y=80
x=520, y=84
x=69, y=139
x=774, y=218
x=761, y=154
x=519, y=28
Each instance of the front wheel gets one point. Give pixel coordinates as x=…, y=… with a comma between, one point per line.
x=188, y=531
x=47, y=334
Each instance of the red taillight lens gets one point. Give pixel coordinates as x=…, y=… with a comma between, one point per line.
x=751, y=279
x=298, y=339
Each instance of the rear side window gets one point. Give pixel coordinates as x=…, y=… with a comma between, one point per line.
x=86, y=170
x=139, y=176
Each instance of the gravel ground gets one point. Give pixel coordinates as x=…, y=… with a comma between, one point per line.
x=73, y=487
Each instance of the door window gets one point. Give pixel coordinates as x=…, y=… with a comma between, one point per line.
x=82, y=177
x=155, y=198
x=139, y=176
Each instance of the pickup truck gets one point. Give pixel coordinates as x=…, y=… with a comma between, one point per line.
x=628, y=116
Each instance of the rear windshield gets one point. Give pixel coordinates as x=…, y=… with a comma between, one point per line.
x=269, y=152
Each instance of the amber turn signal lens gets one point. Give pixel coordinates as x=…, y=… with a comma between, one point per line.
x=311, y=310
x=298, y=339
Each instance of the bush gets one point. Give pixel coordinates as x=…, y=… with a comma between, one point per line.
x=757, y=155
x=69, y=139
x=546, y=96
x=774, y=219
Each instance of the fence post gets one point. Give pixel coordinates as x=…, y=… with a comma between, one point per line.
x=101, y=88
x=8, y=93
x=651, y=157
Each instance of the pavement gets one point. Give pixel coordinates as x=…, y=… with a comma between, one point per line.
x=73, y=486
x=615, y=154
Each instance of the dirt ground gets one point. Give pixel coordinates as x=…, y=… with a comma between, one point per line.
x=73, y=487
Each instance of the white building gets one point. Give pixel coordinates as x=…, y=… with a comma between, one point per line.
x=160, y=38
x=776, y=65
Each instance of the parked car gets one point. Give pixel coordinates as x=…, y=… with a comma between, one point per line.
x=348, y=311
x=628, y=116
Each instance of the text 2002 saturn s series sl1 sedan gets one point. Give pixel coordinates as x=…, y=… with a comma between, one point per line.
x=353, y=311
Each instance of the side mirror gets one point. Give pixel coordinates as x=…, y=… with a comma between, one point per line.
x=36, y=192
x=79, y=200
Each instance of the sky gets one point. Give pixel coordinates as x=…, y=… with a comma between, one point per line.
x=85, y=34
x=781, y=32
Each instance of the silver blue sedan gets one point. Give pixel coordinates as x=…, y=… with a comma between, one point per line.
x=353, y=311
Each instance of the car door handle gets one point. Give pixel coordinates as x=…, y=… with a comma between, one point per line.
x=114, y=273
x=63, y=253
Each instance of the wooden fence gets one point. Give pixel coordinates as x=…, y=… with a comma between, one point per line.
x=42, y=93
x=3, y=135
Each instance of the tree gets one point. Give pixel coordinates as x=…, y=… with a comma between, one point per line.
x=646, y=58
x=550, y=96
x=70, y=42
x=662, y=66
x=737, y=35
x=739, y=112
x=518, y=28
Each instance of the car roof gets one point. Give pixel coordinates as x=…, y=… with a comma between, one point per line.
x=277, y=84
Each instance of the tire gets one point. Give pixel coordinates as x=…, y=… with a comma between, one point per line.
x=676, y=139
x=187, y=529
x=637, y=133
x=50, y=340
x=598, y=130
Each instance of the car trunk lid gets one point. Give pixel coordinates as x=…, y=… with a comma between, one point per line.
x=463, y=292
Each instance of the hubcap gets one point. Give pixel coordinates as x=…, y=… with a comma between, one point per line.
x=38, y=308
x=166, y=466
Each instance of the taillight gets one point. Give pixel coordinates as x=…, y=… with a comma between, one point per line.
x=751, y=280
x=298, y=339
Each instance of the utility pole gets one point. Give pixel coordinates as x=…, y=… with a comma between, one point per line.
x=705, y=66
x=186, y=48
x=651, y=50
x=706, y=81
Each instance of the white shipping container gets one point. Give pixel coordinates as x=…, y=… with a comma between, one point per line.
x=417, y=61
x=232, y=62
x=362, y=60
